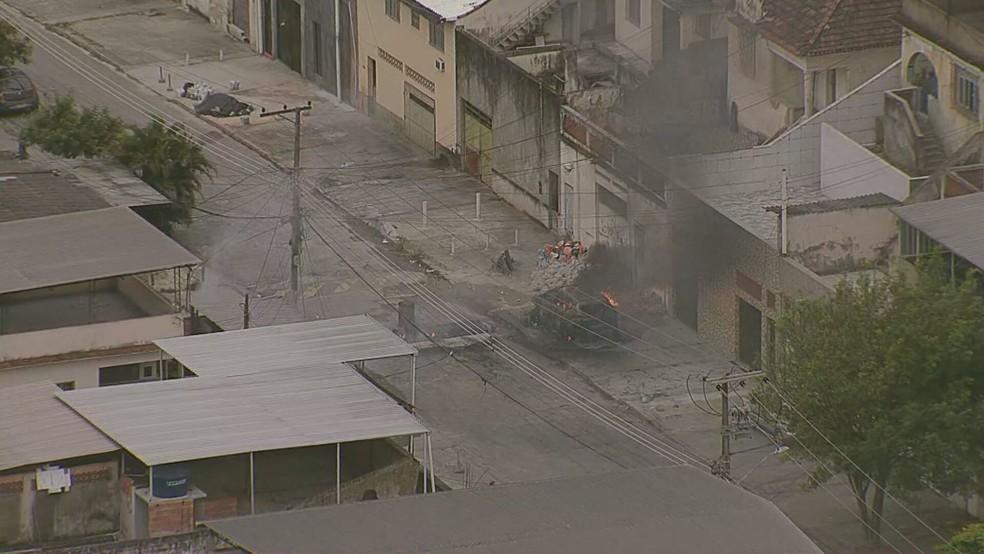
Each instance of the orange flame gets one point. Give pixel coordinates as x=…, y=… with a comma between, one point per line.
x=610, y=297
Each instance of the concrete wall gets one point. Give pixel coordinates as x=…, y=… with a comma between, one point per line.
x=86, y=338
x=539, y=61
x=848, y=169
x=201, y=541
x=321, y=12
x=758, y=110
x=952, y=125
x=83, y=371
x=90, y=507
x=709, y=253
x=410, y=48
x=844, y=240
x=525, y=117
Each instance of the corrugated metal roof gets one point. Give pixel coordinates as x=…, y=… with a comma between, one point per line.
x=279, y=347
x=953, y=222
x=670, y=509
x=75, y=247
x=203, y=417
x=35, y=428
x=38, y=193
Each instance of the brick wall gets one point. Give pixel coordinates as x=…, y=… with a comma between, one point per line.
x=171, y=517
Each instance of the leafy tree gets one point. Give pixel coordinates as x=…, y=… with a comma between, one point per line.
x=970, y=540
x=14, y=48
x=64, y=130
x=891, y=372
x=165, y=158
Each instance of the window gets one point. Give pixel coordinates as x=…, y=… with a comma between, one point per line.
x=393, y=9
x=831, y=86
x=916, y=243
x=119, y=374
x=316, y=43
x=746, y=51
x=967, y=93
x=415, y=20
x=633, y=11
x=67, y=385
x=436, y=34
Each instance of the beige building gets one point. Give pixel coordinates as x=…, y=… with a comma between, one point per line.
x=785, y=63
x=943, y=57
x=406, y=68
x=76, y=303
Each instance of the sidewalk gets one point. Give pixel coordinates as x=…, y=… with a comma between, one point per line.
x=376, y=176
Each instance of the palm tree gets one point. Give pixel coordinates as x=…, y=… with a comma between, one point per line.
x=166, y=159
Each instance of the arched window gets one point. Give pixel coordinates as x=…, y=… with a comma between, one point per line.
x=921, y=74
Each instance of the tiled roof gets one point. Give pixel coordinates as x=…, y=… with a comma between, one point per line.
x=818, y=27
x=874, y=200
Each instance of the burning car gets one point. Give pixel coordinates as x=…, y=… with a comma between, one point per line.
x=583, y=319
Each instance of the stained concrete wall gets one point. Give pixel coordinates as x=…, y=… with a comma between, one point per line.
x=89, y=507
x=843, y=240
x=525, y=115
x=201, y=541
x=848, y=169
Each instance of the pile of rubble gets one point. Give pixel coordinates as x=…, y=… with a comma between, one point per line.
x=558, y=265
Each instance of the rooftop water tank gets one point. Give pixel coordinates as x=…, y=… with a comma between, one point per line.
x=170, y=481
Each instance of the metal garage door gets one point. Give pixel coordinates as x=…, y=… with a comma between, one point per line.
x=419, y=119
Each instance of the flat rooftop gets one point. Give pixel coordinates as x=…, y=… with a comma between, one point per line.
x=279, y=347
x=76, y=247
x=193, y=418
x=65, y=310
x=671, y=509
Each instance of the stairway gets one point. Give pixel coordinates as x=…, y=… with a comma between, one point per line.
x=534, y=21
x=932, y=154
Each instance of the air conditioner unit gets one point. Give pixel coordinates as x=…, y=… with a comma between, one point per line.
x=439, y=64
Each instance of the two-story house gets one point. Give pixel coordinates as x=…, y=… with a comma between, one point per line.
x=77, y=301
x=788, y=60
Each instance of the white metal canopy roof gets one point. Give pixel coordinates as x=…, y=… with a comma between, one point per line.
x=35, y=428
x=187, y=419
x=954, y=222
x=280, y=347
x=80, y=246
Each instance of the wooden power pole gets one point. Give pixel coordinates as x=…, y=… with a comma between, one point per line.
x=296, y=236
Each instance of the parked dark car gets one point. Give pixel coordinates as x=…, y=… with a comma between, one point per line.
x=17, y=92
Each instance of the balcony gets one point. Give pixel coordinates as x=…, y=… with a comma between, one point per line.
x=90, y=316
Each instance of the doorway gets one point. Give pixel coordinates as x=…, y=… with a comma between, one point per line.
x=370, y=85
x=553, y=197
x=268, y=27
x=749, y=334
x=289, y=33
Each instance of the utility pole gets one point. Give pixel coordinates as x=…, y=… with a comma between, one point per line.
x=784, y=208
x=246, y=311
x=296, y=237
x=723, y=384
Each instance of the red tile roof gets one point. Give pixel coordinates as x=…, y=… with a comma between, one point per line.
x=818, y=27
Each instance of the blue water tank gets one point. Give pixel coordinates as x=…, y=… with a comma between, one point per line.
x=170, y=481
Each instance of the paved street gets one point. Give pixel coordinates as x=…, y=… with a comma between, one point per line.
x=492, y=421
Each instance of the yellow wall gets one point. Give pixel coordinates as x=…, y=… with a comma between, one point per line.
x=412, y=47
x=953, y=126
